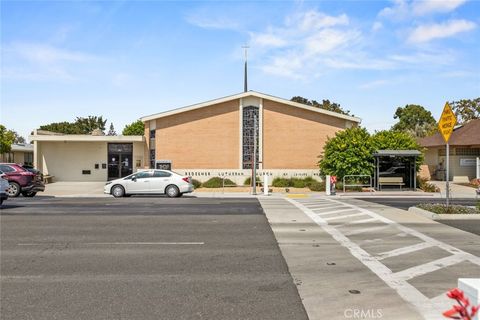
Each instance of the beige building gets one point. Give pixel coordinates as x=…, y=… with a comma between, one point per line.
x=86, y=157
x=214, y=138
x=464, y=154
x=20, y=153
x=217, y=137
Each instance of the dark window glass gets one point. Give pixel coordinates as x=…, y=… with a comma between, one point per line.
x=152, y=134
x=143, y=175
x=152, y=158
x=161, y=174
x=250, y=131
x=6, y=168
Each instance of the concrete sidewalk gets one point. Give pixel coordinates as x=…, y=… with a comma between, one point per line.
x=456, y=190
x=400, y=263
x=74, y=189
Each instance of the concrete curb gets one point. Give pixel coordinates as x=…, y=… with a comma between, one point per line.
x=435, y=216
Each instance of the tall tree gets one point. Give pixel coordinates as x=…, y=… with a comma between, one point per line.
x=414, y=119
x=80, y=126
x=326, y=105
x=111, y=131
x=87, y=125
x=7, y=137
x=466, y=109
x=349, y=152
x=136, y=128
x=18, y=138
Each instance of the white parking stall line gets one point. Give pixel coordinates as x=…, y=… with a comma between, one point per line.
x=363, y=221
x=403, y=250
x=343, y=217
x=431, y=266
x=364, y=230
x=429, y=308
x=337, y=211
x=408, y=292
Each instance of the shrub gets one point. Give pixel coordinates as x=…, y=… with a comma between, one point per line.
x=426, y=186
x=247, y=181
x=316, y=186
x=298, y=183
x=281, y=182
x=196, y=183
x=475, y=182
x=440, y=208
x=217, y=182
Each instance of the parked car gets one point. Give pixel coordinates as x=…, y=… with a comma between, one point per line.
x=3, y=188
x=150, y=182
x=21, y=180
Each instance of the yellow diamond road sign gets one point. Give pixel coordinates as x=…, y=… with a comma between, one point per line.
x=447, y=122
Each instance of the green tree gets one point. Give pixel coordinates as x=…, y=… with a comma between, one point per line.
x=349, y=152
x=415, y=120
x=466, y=109
x=396, y=140
x=111, y=130
x=136, y=128
x=80, y=126
x=87, y=125
x=7, y=137
x=326, y=105
x=18, y=138
x=61, y=127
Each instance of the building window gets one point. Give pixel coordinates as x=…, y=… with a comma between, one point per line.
x=152, y=134
x=28, y=158
x=250, y=129
x=467, y=151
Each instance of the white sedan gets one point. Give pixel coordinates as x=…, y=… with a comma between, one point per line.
x=150, y=182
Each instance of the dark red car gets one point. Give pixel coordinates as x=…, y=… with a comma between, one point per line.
x=22, y=180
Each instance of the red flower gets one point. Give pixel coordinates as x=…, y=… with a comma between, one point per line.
x=460, y=311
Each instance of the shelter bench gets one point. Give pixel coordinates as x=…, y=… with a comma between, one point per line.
x=390, y=181
x=48, y=179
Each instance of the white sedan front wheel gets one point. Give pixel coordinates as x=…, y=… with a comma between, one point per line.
x=118, y=191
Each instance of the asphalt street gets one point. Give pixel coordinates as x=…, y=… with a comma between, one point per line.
x=471, y=225
x=142, y=258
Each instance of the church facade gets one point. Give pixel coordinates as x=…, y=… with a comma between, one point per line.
x=222, y=136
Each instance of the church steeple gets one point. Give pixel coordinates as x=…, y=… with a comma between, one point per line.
x=245, y=79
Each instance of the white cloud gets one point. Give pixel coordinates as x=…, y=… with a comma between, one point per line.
x=267, y=40
x=303, y=42
x=402, y=9
x=377, y=25
x=432, y=6
x=317, y=20
x=425, y=33
x=206, y=21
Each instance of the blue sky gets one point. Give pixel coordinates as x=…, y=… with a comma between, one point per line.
x=127, y=59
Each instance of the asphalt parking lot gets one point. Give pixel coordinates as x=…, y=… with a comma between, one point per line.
x=142, y=258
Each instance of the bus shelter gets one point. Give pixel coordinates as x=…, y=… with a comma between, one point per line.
x=396, y=169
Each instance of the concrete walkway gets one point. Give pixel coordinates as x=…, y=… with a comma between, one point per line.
x=456, y=190
x=348, y=255
x=74, y=189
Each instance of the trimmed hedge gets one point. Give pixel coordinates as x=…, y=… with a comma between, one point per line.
x=217, y=182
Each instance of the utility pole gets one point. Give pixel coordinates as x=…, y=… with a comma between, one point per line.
x=254, y=178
